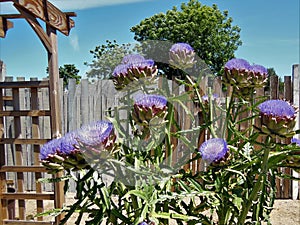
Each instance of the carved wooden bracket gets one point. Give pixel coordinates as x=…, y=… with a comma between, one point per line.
x=42, y=9
x=4, y=26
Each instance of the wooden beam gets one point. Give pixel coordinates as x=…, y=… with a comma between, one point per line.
x=30, y=113
x=26, y=222
x=23, y=169
x=4, y=26
x=55, y=107
x=48, y=13
x=21, y=141
x=19, y=16
x=12, y=16
x=23, y=196
x=24, y=84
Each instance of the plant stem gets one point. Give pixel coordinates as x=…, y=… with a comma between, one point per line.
x=259, y=184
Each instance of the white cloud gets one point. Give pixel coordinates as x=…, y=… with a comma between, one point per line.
x=85, y=4
x=74, y=41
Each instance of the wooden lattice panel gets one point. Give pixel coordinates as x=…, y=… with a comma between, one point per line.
x=25, y=125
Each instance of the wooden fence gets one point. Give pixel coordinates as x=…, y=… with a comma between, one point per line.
x=88, y=102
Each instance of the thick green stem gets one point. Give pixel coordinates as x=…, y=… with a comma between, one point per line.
x=259, y=184
x=169, y=149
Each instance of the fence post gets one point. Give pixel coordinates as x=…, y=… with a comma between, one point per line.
x=288, y=95
x=296, y=96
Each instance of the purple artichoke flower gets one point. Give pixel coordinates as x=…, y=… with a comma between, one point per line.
x=259, y=75
x=67, y=152
x=182, y=56
x=245, y=77
x=143, y=223
x=179, y=47
x=238, y=64
x=214, y=97
x=69, y=143
x=296, y=141
x=146, y=107
x=277, y=117
x=133, y=67
x=259, y=69
x=214, y=150
x=131, y=58
x=99, y=134
x=56, y=154
x=50, y=148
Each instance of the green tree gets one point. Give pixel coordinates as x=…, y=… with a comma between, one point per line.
x=69, y=71
x=106, y=57
x=208, y=30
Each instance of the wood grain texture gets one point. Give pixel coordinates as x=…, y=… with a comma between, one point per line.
x=4, y=26
x=48, y=13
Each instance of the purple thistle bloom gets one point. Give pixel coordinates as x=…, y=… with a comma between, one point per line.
x=143, y=223
x=120, y=69
x=95, y=134
x=277, y=117
x=69, y=143
x=296, y=141
x=130, y=62
x=133, y=67
x=132, y=58
x=151, y=100
x=277, y=108
x=259, y=69
x=214, y=96
x=179, y=47
x=141, y=64
x=182, y=56
x=213, y=150
x=238, y=64
x=146, y=107
x=50, y=148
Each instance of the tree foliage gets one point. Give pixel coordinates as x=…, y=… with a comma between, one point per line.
x=69, y=71
x=208, y=30
x=106, y=57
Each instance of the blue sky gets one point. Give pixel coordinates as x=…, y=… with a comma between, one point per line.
x=269, y=31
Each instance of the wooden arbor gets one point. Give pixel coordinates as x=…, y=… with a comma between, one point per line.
x=54, y=19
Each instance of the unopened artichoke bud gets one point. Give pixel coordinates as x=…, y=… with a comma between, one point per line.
x=182, y=56
x=132, y=68
x=277, y=118
x=147, y=107
x=214, y=151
